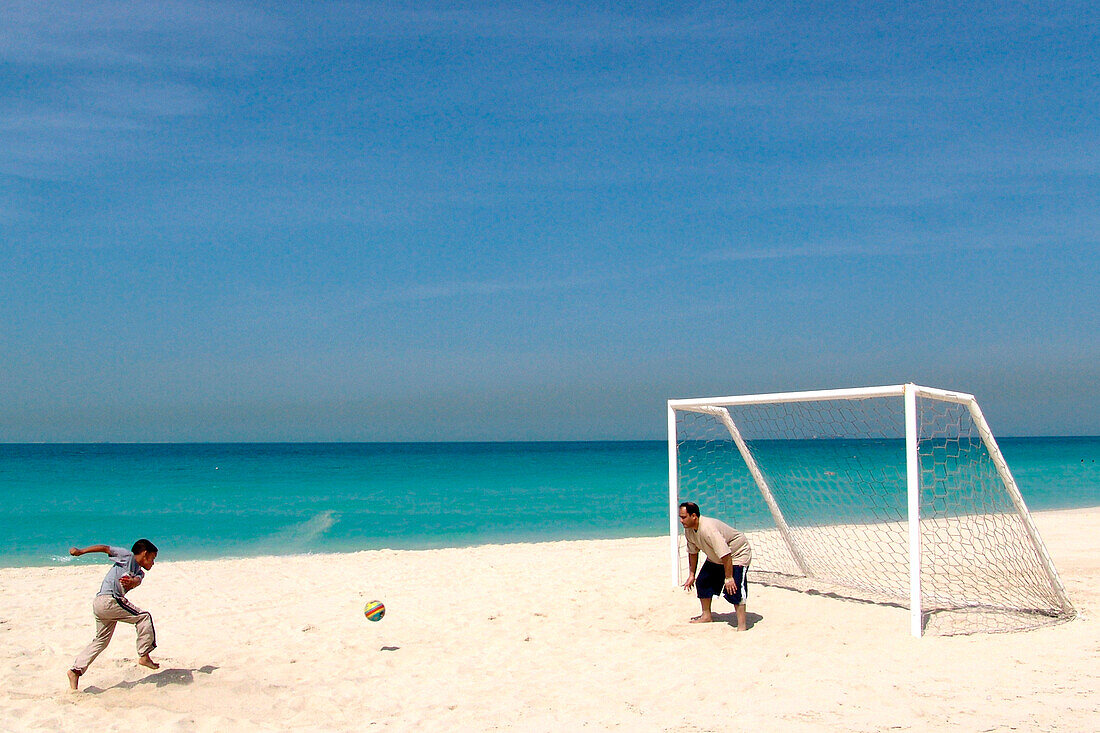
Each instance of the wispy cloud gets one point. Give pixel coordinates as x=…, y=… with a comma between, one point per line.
x=131, y=34
x=894, y=244
x=756, y=253
x=446, y=290
x=87, y=73
x=538, y=22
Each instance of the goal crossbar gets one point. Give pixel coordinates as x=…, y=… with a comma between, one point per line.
x=895, y=390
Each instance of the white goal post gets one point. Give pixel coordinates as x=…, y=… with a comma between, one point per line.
x=897, y=495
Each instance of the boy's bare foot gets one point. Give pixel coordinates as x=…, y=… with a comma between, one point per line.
x=74, y=679
x=701, y=619
x=145, y=661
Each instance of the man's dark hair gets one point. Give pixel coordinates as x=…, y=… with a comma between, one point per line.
x=691, y=506
x=143, y=546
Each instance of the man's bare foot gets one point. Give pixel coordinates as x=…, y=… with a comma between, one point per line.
x=701, y=619
x=74, y=679
x=145, y=661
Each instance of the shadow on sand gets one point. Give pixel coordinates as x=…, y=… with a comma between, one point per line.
x=731, y=619
x=163, y=678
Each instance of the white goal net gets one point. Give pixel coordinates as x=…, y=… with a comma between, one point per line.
x=895, y=495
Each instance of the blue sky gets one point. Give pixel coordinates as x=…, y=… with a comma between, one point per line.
x=392, y=221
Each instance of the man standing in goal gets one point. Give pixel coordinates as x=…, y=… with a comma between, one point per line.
x=728, y=556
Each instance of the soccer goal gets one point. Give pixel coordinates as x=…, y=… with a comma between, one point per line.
x=896, y=495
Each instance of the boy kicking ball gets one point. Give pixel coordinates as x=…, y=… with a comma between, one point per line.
x=111, y=606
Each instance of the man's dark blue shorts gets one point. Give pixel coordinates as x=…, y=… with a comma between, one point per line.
x=712, y=578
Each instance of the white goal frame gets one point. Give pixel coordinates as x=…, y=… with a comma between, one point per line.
x=715, y=407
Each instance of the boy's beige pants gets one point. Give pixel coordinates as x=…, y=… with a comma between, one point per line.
x=108, y=612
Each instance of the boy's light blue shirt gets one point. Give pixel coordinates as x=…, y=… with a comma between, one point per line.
x=124, y=565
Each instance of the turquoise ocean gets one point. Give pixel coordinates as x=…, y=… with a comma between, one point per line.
x=208, y=500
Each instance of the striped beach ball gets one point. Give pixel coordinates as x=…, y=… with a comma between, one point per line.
x=374, y=610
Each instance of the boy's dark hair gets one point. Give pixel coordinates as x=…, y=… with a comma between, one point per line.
x=691, y=506
x=143, y=546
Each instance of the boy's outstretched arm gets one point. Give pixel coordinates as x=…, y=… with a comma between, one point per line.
x=77, y=552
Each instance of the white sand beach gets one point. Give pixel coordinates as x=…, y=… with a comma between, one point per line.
x=553, y=636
